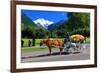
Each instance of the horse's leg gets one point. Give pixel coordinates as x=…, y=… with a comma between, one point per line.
x=61, y=49
x=49, y=50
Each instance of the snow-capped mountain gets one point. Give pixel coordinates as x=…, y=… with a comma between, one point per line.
x=43, y=22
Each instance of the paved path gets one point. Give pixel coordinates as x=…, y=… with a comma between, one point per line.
x=43, y=56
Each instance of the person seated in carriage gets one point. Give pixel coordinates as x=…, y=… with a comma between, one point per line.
x=67, y=42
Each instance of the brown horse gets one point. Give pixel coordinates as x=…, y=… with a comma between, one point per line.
x=51, y=43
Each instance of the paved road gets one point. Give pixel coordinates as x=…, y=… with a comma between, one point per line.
x=43, y=56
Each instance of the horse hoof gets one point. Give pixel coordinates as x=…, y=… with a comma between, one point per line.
x=49, y=54
x=60, y=53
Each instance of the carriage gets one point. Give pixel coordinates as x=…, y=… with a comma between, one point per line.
x=63, y=45
x=76, y=44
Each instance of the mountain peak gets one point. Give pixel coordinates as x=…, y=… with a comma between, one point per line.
x=43, y=22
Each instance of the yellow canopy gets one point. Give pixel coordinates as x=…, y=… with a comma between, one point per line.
x=78, y=36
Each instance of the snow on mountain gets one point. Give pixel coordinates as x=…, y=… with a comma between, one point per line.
x=43, y=22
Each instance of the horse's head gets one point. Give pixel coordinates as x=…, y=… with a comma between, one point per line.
x=42, y=42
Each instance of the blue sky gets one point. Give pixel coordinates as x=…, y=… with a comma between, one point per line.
x=48, y=15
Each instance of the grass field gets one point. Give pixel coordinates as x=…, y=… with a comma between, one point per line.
x=33, y=49
x=37, y=47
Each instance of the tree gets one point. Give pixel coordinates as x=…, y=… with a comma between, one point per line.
x=27, y=32
x=41, y=32
x=78, y=20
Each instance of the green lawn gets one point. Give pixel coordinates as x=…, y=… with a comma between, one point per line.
x=37, y=47
x=33, y=49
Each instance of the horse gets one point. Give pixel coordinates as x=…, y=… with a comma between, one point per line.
x=53, y=43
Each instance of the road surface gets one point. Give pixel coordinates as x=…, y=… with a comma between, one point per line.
x=43, y=56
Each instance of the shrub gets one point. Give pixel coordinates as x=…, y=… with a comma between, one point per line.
x=85, y=32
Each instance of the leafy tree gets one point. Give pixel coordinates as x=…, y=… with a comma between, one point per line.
x=27, y=32
x=41, y=32
x=78, y=20
x=85, y=32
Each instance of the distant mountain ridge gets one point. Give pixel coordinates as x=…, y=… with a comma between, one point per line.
x=57, y=25
x=41, y=22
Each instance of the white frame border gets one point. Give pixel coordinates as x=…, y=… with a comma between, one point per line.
x=50, y=64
